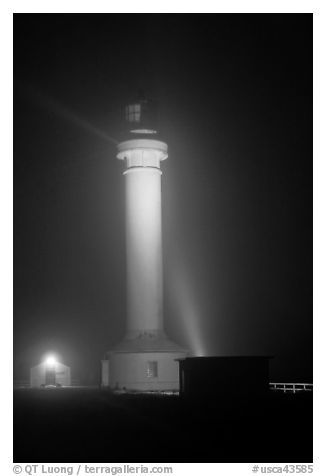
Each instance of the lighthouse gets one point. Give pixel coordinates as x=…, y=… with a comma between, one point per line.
x=146, y=359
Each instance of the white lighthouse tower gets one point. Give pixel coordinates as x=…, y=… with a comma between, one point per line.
x=146, y=357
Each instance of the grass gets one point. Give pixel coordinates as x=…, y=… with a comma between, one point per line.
x=92, y=425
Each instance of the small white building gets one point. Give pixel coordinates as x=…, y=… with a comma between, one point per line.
x=50, y=372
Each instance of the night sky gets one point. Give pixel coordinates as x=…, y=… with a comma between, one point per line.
x=235, y=96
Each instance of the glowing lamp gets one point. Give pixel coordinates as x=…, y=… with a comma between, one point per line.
x=50, y=361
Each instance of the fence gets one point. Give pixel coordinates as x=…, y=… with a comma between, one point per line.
x=291, y=387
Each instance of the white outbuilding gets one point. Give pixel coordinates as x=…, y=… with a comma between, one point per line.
x=50, y=372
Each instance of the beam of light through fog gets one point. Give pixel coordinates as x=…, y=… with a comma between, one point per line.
x=185, y=307
x=60, y=110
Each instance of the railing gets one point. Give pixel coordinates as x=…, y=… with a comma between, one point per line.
x=291, y=387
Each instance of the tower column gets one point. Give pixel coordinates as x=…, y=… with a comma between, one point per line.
x=143, y=235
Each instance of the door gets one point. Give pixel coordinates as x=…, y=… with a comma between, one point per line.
x=50, y=376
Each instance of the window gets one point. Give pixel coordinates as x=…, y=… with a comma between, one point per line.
x=151, y=371
x=133, y=113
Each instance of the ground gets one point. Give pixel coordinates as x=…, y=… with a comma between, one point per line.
x=93, y=425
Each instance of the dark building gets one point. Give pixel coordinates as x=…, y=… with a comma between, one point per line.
x=224, y=377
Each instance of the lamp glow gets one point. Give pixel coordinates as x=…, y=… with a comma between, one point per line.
x=50, y=361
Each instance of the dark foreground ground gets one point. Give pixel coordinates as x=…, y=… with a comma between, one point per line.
x=90, y=425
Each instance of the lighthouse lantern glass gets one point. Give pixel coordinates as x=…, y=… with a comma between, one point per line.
x=133, y=113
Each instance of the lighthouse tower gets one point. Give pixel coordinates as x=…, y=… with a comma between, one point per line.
x=146, y=357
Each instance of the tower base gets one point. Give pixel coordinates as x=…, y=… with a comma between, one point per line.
x=143, y=364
